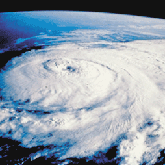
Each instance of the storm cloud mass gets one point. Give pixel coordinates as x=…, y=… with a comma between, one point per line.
x=98, y=92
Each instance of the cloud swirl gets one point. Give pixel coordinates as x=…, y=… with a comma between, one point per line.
x=83, y=100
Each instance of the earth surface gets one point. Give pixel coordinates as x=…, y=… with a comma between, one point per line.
x=81, y=88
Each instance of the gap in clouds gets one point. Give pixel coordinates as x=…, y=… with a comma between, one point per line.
x=11, y=152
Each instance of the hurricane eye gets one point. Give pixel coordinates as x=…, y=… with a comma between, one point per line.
x=71, y=69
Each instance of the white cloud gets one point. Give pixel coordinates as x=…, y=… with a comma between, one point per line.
x=94, y=95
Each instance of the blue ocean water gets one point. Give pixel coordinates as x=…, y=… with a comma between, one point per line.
x=15, y=26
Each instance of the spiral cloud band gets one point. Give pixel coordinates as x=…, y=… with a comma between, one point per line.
x=83, y=100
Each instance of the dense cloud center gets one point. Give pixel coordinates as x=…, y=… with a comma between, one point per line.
x=65, y=82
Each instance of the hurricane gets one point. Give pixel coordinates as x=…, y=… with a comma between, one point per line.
x=80, y=100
